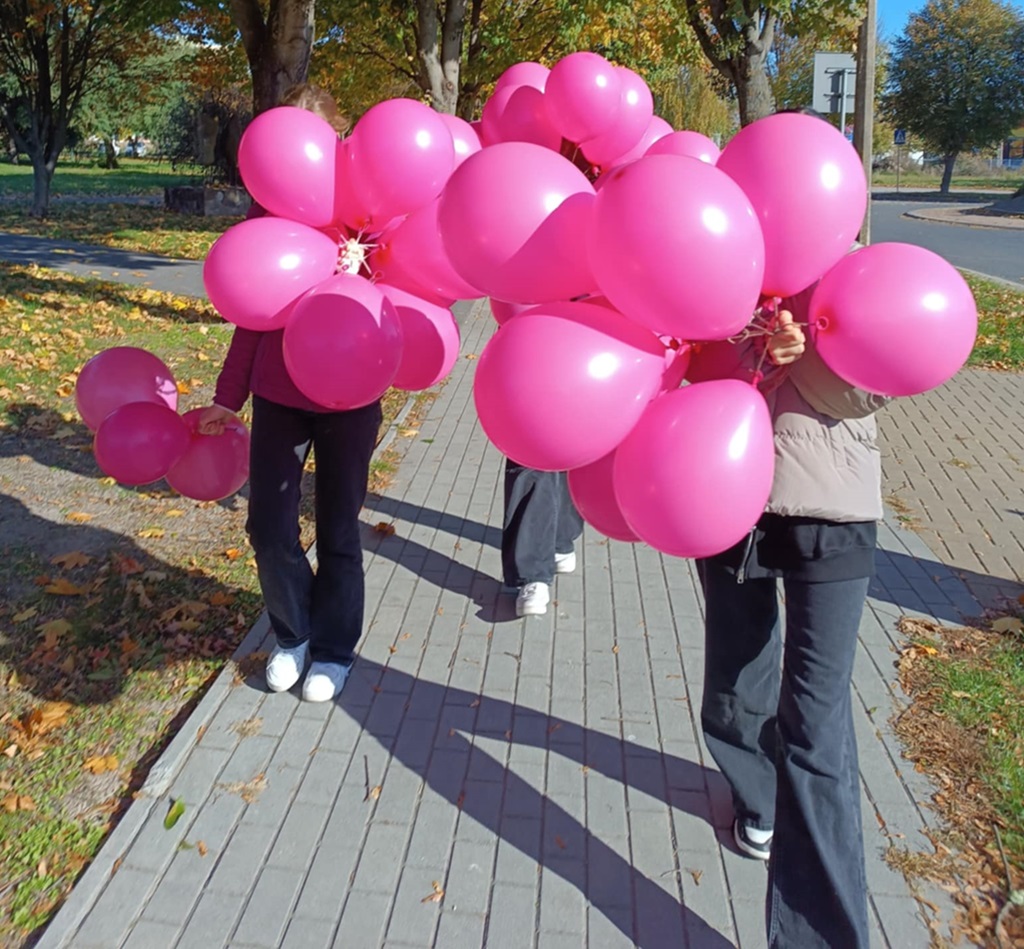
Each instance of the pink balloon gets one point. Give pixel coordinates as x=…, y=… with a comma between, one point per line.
x=807, y=185
x=256, y=270
x=139, y=442
x=430, y=340
x=213, y=466
x=523, y=74
x=513, y=219
x=718, y=359
x=287, y=161
x=582, y=93
x=503, y=312
x=519, y=114
x=694, y=474
x=561, y=385
x=117, y=376
x=676, y=247
x=690, y=144
x=593, y=494
x=656, y=130
x=464, y=136
x=343, y=344
x=414, y=254
x=677, y=361
x=894, y=319
x=635, y=111
x=349, y=210
x=401, y=156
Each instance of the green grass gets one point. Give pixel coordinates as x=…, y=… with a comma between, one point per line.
x=1000, y=342
x=135, y=176
x=1005, y=180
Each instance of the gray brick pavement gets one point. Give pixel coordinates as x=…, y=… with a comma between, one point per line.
x=547, y=775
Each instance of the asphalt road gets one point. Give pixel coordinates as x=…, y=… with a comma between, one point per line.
x=993, y=251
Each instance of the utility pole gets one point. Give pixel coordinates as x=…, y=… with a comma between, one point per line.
x=864, y=115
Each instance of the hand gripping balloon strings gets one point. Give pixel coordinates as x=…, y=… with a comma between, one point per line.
x=353, y=256
x=765, y=322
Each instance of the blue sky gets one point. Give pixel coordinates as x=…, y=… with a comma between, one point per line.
x=893, y=14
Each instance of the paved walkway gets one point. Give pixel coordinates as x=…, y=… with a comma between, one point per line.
x=547, y=775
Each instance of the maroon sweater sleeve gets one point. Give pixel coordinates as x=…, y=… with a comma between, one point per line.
x=235, y=379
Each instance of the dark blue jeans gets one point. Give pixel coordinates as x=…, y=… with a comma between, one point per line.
x=540, y=521
x=777, y=718
x=325, y=607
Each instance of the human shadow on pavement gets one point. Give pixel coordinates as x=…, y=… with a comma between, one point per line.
x=433, y=729
x=460, y=527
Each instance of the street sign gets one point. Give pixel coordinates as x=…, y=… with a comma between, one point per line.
x=899, y=137
x=834, y=83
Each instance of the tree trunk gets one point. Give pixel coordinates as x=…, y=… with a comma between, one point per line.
x=439, y=51
x=754, y=92
x=109, y=155
x=278, y=49
x=947, y=172
x=42, y=174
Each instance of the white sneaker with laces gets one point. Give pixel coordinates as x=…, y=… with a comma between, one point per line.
x=565, y=563
x=533, y=599
x=284, y=666
x=325, y=680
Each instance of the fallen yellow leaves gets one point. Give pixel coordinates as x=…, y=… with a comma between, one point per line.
x=436, y=896
x=152, y=533
x=70, y=560
x=383, y=527
x=25, y=615
x=62, y=587
x=80, y=517
x=18, y=802
x=100, y=764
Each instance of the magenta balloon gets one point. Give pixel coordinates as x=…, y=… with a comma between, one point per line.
x=414, y=248
x=213, y=466
x=523, y=74
x=582, y=93
x=690, y=144
x=894, y=319
x=561, y=385
x=139, y=442
x=256, y=270
x=676, y=247
x=656, y=130
x=513, y=219
x=694, y=474
x=593, y=494
x=519, y=114
x=503, y=312
x=677, y=362
x=343, y=344
x=718, y=359
x=349, y=209
x=287, y=161
x=464, y=137
x=430, y=340
x=807, y=185
x=117, y=376
x=401, y=156
x=635, y=111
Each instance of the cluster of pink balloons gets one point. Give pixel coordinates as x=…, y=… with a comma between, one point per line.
x=341, y=262
x=128, y=397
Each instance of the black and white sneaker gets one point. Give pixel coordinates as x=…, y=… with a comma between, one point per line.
x=752, y=841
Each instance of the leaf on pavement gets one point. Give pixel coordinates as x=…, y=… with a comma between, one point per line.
x=436, y=896
x=153, y=533
x=62, y=587
x=177, y=809
x=78, y=517
x=24, y=615
x=72, y=559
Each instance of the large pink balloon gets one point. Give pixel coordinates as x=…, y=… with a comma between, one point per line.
x=807, y=185
x=561, y=385
x=635, y=111
x=139, y=442
x=349, y=209
x=343, y=344
x=513, y=219
x=593, y=494
x=519, y=114
x=582, y=93
x=894, y=319
x=256, y=270
x=503, y=312
x=401, y=156
x=287, y=159
x=694, y=474
x=656, y=129
x=430, y=340
x=464, y=137
x=414, y=251
x=213, y=466
x=119, y=375
x=690, y=144
x=676, y=247
x=523, y=74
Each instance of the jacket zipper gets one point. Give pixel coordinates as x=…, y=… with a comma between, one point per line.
x=741, y=573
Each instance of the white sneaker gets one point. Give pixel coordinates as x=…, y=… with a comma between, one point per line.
x=284, y=666
x=565, y=563
x=533, y=600
x=325, y=680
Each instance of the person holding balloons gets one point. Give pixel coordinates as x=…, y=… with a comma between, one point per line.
x=317, y=615
x=776, y=712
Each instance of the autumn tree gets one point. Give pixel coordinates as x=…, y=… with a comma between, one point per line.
x=49, y=53
x=956, y=80
x=737, y=39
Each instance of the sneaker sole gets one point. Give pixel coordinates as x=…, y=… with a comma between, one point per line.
x=531, y=611
x=747, y=848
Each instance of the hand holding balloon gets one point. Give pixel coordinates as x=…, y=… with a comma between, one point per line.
x=212, y=420
x=787, y=342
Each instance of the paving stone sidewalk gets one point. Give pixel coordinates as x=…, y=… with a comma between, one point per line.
x=488, y=781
